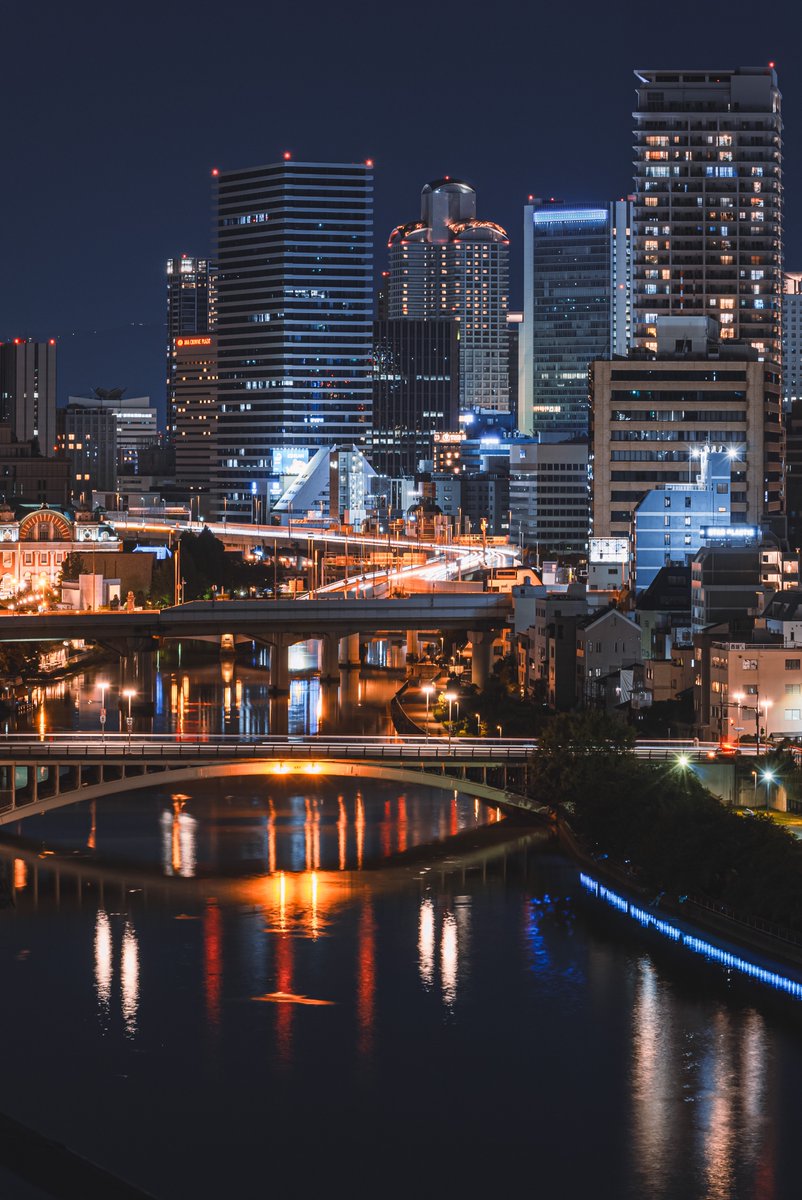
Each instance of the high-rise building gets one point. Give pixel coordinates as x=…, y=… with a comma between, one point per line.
x=294, y=316
x=549, y=494
x=191, y=295
x=577, y=292
x=87, y=439
x=514, y=331
x=191, y=309
x=193, y=373
x=451, y=264
x=792, y=338
x=136, y=423
x=709, y=202
x=651, y=415
x=28, y=391
x=415, y=392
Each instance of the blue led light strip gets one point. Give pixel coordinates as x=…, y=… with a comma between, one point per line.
x=696, y=945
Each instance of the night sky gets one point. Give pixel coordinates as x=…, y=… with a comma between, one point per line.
x=114, y=117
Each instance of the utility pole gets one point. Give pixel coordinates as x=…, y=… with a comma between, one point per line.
x=177, y=572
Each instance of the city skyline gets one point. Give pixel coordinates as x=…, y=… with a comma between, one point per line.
x=138, y=148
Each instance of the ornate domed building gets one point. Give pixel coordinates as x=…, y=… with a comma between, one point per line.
x=36, y=539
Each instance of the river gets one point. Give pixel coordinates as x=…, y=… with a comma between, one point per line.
x=257, y=986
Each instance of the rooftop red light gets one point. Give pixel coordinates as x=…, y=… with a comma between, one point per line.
x=215, y=171
x=287, y=156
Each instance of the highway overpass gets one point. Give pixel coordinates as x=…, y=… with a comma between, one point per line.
x=279, y=624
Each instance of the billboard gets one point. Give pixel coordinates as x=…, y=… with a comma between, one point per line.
x=609, y=550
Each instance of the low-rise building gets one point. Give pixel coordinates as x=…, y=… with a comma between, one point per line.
x=730, y=581
x=747, y=688
x=606, y=644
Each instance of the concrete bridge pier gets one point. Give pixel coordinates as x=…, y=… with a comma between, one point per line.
x=481, y=657
x=329, y=704
x=413, y=643
x=330, y=658
x=280, y=713
x=280, y=665
x=349, y=652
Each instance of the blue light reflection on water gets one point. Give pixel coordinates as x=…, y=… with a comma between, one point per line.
x=696, y=945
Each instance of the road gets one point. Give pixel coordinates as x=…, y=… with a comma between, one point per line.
x=162, y=746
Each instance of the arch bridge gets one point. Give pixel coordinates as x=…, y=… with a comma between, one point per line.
x=41, y=774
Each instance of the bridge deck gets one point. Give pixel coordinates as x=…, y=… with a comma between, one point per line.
x=90, y=748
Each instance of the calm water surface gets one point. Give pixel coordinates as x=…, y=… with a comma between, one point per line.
x=252, y=987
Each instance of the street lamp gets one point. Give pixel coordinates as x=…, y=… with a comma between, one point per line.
x=765, y=705
x=129, y=694
x=768, y=778
x=739, y=698
x=103, y=689
x=452, y=698
x=427, y=689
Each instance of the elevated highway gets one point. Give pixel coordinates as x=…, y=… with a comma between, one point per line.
x=279, y=624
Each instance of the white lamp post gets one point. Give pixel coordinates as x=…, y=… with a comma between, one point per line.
x=452, y=698
x=103, y=689
x=427, y=690
x=129, y=694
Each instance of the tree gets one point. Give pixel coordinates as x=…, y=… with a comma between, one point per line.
x=74, y=565
x=580, y=753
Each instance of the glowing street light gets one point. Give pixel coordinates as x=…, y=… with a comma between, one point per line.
x=683, y=761
x=103, y=689
x=427, y=689
x=129, y=694
x=452, y=698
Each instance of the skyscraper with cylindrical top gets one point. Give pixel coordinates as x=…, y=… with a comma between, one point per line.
x=452, y=264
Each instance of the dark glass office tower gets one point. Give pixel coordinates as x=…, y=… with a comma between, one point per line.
x=577, y=279
x=294, y=316
x=415, y=392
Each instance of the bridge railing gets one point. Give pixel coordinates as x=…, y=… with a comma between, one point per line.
x=156, y=749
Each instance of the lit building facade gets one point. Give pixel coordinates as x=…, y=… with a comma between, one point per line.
x=35, y=540
x=28, y=390
x=191, y=311
x=650, y=412
x=452, y=265
x=193, y=375
x=671, y=522
x=792, y=338
x=294, y=317
x=709, y=203
x=577, y=307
